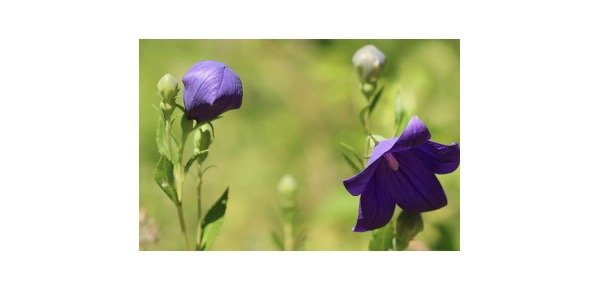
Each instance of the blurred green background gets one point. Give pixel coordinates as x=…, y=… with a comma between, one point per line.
x=301, y=99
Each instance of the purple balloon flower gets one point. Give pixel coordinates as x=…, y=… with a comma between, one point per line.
x=402, y=171
x=211, y=88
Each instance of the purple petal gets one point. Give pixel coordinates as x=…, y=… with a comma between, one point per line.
x=381, y=148
x=440, y=159
x=211, y=88
x=414, y=187
x=376, y=207
x=231, y=88
x=415, y=134
x=356, y=185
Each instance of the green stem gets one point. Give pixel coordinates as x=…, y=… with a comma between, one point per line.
x=178, y=178
x=288, y=236
x=366, y=123
x=199, y=194
x=183, y=226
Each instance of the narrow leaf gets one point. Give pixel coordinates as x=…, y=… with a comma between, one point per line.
x=398, y=107
x=354, y=166
x=164, y=177
x=162, y=142
x=193, y=158
x=277, y=241
x=408, y=226
x=382, y=238
x=353, y=152
x=212, y=222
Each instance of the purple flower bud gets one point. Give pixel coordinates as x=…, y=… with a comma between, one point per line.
x=211, y=88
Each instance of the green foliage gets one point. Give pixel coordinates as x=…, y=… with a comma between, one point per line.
x=445, y=242
x=162, y=142
x=348, y=150
x=293, y=118
x=408, y=226
x=382, y=239
x=193, y=158
x=212, y=222
x=164, y=177
x=355, y=168
x=278, y=241
x=400, y=114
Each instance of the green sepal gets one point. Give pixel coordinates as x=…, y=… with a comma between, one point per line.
x=382, y=239
x=199, y=124
x=164, y=177
x=211, y=223
x=186, y=126
x=408, y=226
x=193, y=158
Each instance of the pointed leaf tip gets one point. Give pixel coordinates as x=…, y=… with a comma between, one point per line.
x=164, y=177
x=212, y=222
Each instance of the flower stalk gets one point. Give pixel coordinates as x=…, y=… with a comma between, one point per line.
x=211, y=88
x=399, y=171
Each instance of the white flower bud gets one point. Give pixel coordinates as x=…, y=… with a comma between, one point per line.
x=369, y=62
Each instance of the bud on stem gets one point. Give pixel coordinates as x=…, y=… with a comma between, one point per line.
x=202, y=139
x=369, y=62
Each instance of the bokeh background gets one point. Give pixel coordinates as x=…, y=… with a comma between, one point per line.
x=301, y=99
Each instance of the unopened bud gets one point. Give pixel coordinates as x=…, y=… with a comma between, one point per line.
x=202, y=139
x=167, y=87
x=287, y=187
x=369, y=62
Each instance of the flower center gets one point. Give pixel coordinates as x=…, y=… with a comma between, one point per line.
x=392, y=162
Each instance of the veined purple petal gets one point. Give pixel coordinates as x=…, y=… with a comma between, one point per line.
x=356, y=185
x=376, y=207
x=415, y=134
x=211, y=88
x=413, y=187
x=440, y=159
x=381, y=148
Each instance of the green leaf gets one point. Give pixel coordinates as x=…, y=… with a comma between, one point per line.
x=277, y=241
x=354, y=166
x=193, y=158
x=400, y=123
x=212, y=222
x=408, y=226
x=353, y=152
x=164, y=177
x=398, y=107
x=375, y=99
x=382, y=238
x=162, y=142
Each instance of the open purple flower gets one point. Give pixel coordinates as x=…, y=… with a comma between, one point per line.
x=402, y=171
x=211, y=88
